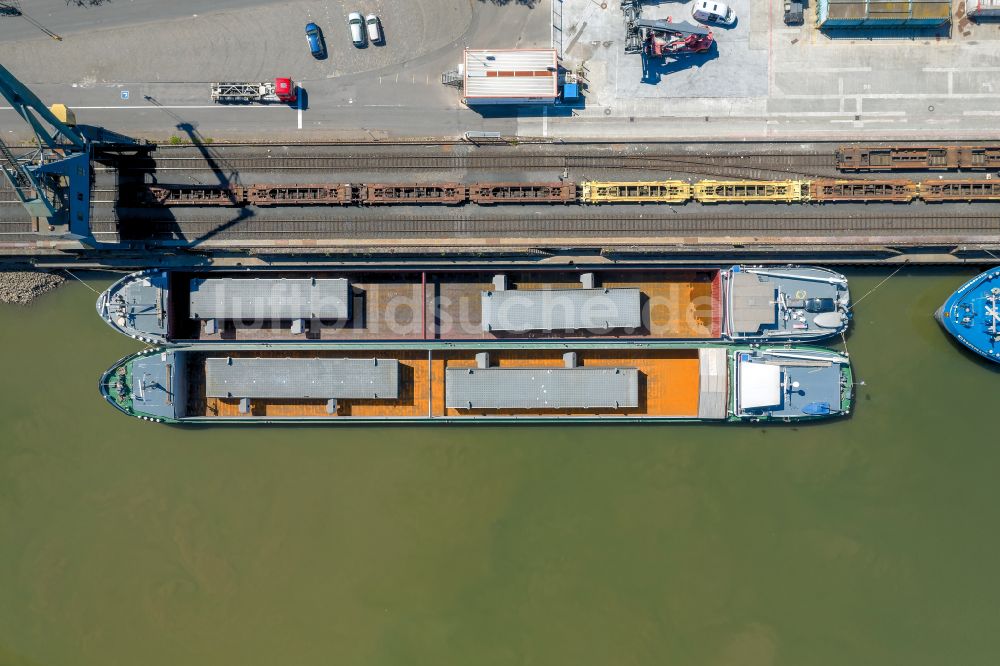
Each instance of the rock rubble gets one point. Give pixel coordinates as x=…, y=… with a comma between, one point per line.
x=24, y=286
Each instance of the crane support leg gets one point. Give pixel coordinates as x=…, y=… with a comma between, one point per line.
x=53, y=181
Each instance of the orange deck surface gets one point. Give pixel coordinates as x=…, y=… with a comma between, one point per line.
x=675, y=304
x=668, y=384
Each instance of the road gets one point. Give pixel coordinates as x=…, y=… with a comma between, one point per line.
x=765, y=81
x=157, y=75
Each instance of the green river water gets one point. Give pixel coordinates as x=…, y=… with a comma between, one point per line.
x=871, y=540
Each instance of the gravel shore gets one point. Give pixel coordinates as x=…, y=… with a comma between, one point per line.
x=24, y=286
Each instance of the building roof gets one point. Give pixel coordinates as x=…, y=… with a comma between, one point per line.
x=541, y=388
x=269, y=298
x=754, y=303
x=520, y=310
x=511, y=73
x=156, y=384
x=304, y=378
x=895, y=11
x=713, y=387
x=760, y=385
x=974, y=6
x=144, y=301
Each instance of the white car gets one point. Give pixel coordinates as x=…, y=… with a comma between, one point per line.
x=374, y=29
x=357, y=26
x=710, y=11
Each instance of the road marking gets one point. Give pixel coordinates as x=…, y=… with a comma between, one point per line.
x=961, y=69
x=221, y=107
x=832, y=70
x=298, y=96
x=866, y=121
x=824, y=114
x=920, y=96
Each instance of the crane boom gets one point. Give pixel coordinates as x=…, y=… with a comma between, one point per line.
x=52, y=182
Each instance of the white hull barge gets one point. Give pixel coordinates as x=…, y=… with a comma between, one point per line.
x=739, y=304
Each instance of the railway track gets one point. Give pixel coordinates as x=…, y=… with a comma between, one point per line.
x=97, y=195
x=754, y=166
x=547, y=226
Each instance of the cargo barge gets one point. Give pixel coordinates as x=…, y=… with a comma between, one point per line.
x=739, y=303
x=469, y=382
x=972, y=314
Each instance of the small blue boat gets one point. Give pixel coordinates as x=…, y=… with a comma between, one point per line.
x=972, y=314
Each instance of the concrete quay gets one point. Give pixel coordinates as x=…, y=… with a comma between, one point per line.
x=145, y=68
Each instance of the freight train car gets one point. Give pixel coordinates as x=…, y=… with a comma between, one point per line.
x=664, y=191
x=863, y=191
x=917, y=158
x=937, y=191
x=299, y=195
x=524, y=193
x=821, y=190
x=191, y=195
x=750, y=191
x=414, y=193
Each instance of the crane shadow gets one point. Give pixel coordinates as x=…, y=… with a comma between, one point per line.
x=654, y=69
x=226, y=176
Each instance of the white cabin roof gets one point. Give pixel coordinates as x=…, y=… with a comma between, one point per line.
x=760, y=385
x=511, y=73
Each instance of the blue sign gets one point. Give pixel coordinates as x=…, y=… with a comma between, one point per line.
x=124, y=94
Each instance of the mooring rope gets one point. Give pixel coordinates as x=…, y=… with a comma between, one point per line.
x=81, y=281
x=872, y=290
x=989, y=253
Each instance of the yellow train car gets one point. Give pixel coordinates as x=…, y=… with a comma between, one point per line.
x=747, y=191
x=663, y=191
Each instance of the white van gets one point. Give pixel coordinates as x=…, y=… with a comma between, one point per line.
x=710, y=11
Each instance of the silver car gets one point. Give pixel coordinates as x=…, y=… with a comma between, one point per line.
x=374, y=29
x=357, y=26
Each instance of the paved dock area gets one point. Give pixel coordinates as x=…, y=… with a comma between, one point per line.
x=764, y=80
x=157, y=75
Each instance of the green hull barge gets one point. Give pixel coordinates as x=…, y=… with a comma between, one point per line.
x=468, y=382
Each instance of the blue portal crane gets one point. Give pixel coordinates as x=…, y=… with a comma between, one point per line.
x=52, y=181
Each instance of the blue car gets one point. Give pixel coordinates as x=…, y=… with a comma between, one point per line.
x=314, y=36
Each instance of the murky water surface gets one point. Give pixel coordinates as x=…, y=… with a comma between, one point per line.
x=872, y=540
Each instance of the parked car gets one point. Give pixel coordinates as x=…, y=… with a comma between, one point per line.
x=357, y=26
x=374, y=29
x=710, y=11
x=314, y=37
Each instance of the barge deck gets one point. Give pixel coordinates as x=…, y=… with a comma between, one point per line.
x=466, y=382
x=738, y=303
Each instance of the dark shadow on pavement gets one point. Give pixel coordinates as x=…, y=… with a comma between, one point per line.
x=653, y=71
x=534, y=111
x=911, y=33
x=225, y=175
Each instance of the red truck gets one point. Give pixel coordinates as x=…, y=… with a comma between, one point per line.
x=280, y=90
